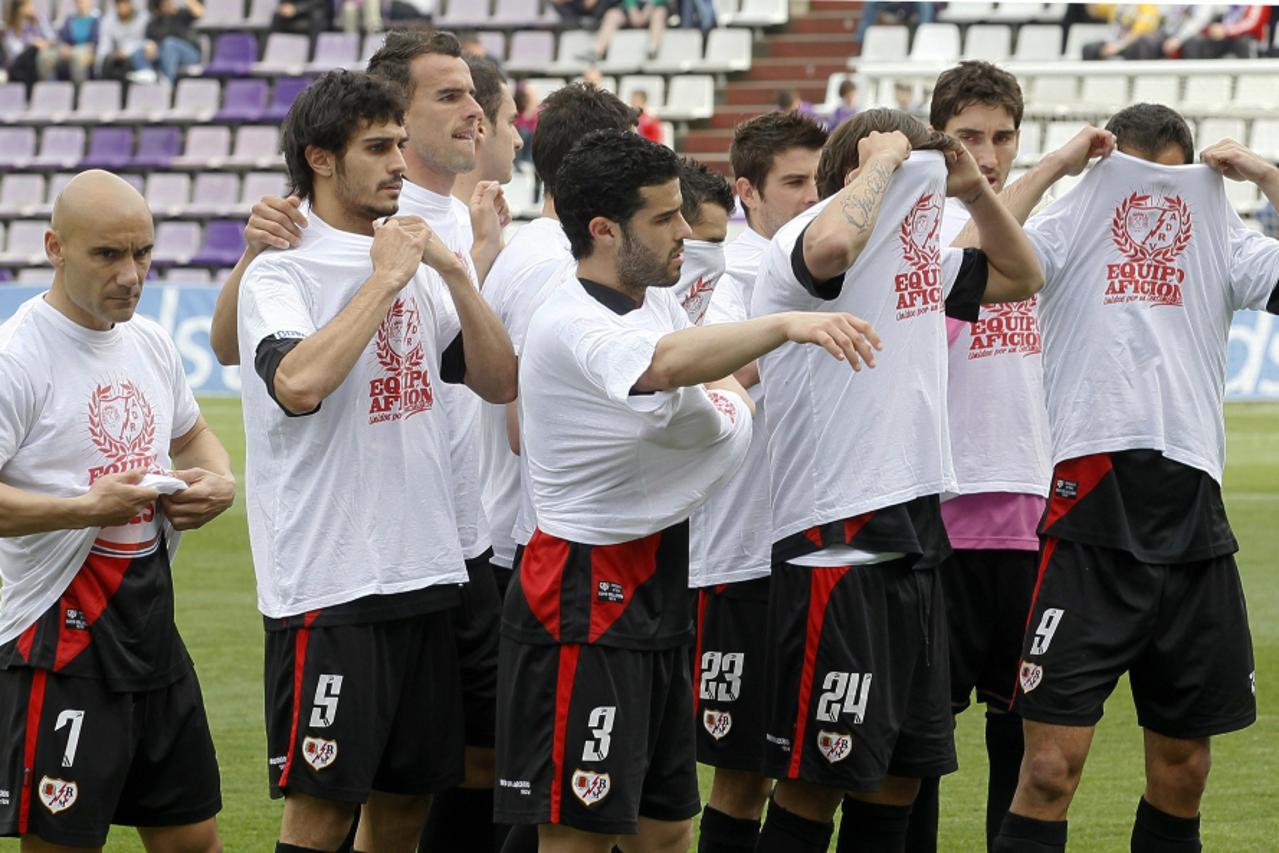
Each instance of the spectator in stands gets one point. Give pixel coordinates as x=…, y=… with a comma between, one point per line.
x=367, y=11
x=651, y=14
x=1181, y=24
x=847, y=106
x=303, y=17
x=26, y=33
x=788, y=100
x=1133, y=25
x=894, y=13
x=698, y=13
x=1238, y=31
x=648, y=126
x=608, y=17
x=904, y=95
x=121, y=35
x=170, y=40
x=527, y=101
x=77, y=43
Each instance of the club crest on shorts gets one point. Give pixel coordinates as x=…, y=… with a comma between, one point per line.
x=717, y=723
x=319, y=752
x=591, y=787
x=58, y=795
x=834, y=747
x=1031, y=675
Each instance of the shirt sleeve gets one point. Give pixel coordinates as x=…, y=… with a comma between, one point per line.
x=964, y=277
x=18, y=407
x=828, y=289
x=272, y=305
x=727, y=304
x=613, y=359
x=185, y=409
x=1254, y=270
x=1049, y=234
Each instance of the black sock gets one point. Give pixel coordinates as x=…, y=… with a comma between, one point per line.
x=521, y=839
x=874, y=827
x=723, y=833
x=1026, y=835
x=1004, y=746
x=281, y=847
x=787, y=832
x=921, y=833
x=1156, y=831
x=461, y=819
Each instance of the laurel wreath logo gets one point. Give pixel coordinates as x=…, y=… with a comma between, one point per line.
x=928, y=255
x=118, y=449
x=1137, y=252
x=391, y=360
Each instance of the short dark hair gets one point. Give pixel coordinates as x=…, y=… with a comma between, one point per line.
x=564, y=117
x=394, y=59
x=1150, y=128
x=786, y=98
x=700, y=186
x=327, y=114
x=974, y=82
x=758, y=141
x=488, y=80
x=602, y=176
x=847, y=86
x=840, y=156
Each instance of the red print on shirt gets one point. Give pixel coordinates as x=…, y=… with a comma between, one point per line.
x=918, y=286
x=1150, y=234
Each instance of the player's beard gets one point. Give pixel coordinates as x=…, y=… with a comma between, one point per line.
x=358, y=202
x=639, y=267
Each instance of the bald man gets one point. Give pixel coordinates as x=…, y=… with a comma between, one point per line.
x=101, y=718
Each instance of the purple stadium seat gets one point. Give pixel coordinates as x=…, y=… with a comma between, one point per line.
x=109, y=148
x=61, y=147
x=13, y=101
x=258, y=184
x=167, y=193
x=17, y=146
x=214, y=194
x=531, y=51
x=206, y=147
x=26, y=244
x=245, y=101
x=256, y=147
x=494, y=44
x=464, y=15
x=56, y=183
x=175, y=243
x=261, y=12
x=223, y=244
x=334, y=50
x=158, y=147
x=100, y=100
x=282, y=96
x=146, y=101
x=196, y=99
x=518, y=14
x=233, y=55
x=20, y=195
x=372, y=44
x=221, y=15
x=51, y=101
x=285, y=53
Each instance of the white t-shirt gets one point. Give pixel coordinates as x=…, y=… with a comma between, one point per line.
x=450, y=218
x=356, y=498
x=607, y=466
x=75, y=405
x=1145, y=266
x=995, y=399
x=842, y=443
x=731, y=536
x=536, y=261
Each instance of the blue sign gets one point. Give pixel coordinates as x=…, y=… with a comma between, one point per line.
x=186, y=313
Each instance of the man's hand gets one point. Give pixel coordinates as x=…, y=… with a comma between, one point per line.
x=1085, y=146
x=398, y=244
x=206, y=496
x=842, y=335
x=1110, y=48
x=1171, y=46
x=114, y=499
x=964, y=179
x=890, y=148
x=1237, y=163
x=442, y=259
x=274, y=223
x=488, y=210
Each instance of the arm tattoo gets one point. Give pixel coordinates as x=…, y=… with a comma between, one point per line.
x=861, y=205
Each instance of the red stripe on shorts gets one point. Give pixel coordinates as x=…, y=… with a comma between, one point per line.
x=542, y=578
x=1050, y=545
x=563, y=696
x=1086, y=472
x=822, y=584
x=300, y=641
x=703, y=595
x=35, y=705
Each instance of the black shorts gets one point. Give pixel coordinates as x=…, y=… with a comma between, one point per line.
x=1180, y=631
x=502, y=577
x=729, y=675
x=592, y=737
x=987, y=598
x=476, y=625
x=76, y=758
x=858, y=677
x=356, y=708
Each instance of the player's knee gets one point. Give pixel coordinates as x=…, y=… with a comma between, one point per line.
x=739, y=793
x=480, y=768
x=1051, y=774
x=666, y=836
x=1183, y=774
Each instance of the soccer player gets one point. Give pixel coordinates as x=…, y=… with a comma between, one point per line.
x=999, y=435
x=1145, y=264
x=537, y=259
x=774, y=158
x=857, y=669
x=104, y=721
x=707, y=203
x=622, y=442
x=351, y=337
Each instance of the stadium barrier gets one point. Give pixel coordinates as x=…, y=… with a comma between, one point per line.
x=186, y=313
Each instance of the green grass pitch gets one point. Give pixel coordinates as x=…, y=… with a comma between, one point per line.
x=218, y=617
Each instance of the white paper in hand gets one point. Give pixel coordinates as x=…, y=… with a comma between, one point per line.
x=162, y=483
